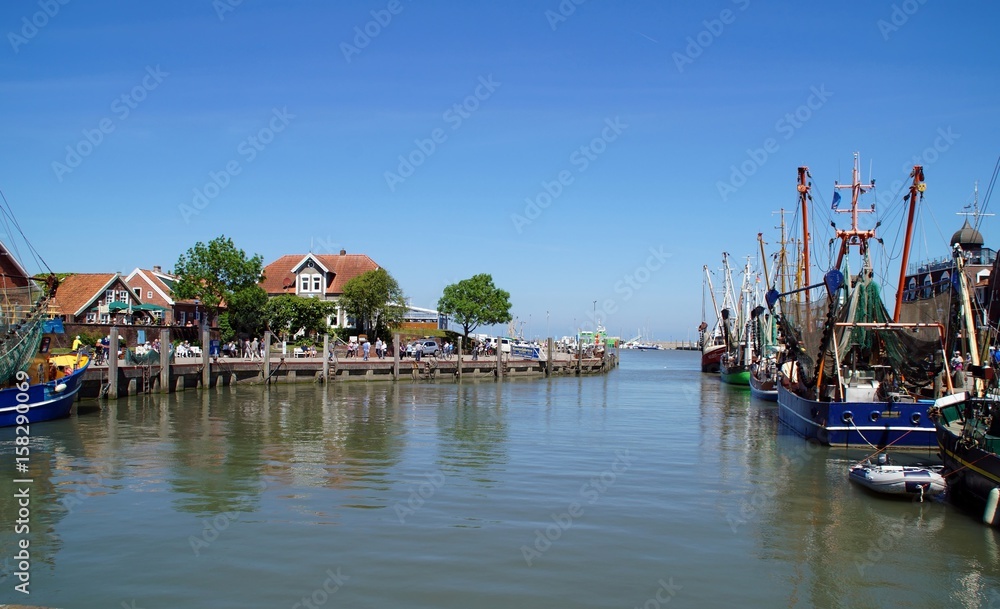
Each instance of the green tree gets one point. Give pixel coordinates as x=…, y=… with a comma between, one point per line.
x=214, y=272
x=288, y=314
x=375, y=301
x=474, y=302
x=244, y=314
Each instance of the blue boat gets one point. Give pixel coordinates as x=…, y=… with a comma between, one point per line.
x=854, y=375
x=26, y=403
x=862, y=423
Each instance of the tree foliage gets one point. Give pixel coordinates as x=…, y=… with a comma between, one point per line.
x=288, y=314
x=375, y=301
x=213, y=272
x=474, y=302
x=245, y=313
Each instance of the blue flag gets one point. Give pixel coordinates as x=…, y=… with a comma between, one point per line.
x=836, y=200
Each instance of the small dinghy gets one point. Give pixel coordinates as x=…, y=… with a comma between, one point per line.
x=885, y=477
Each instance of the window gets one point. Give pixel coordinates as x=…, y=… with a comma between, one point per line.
x=305, y=283
x=149, y=294
x=138, y=292
x=109, y=297
x=316, y=283
x=123, y=296
x=105, y=318
x=91, y=317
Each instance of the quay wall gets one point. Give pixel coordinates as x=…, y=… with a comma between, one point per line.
x=189, y=373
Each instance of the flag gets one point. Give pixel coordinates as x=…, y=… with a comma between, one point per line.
x=836, y=200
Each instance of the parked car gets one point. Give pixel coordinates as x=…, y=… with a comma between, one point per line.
x=426, y=346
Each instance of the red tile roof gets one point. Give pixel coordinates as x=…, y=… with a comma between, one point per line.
x=279, y=279
x=77, y=291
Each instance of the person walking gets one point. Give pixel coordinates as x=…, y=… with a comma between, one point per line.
x=367, y=348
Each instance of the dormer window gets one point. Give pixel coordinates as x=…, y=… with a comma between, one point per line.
x=304, y=284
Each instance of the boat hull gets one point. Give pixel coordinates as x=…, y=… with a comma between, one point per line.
x=974, y=471
x=763, y=389
x=734, y=375
x=711, y=357
x=45, y=402
x=899, y=424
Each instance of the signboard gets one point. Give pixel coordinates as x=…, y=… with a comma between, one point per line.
x=213, y=347
x=525, y=352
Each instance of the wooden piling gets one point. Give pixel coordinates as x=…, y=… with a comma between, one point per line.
x=206, y=370
x=395, y=357
x=113, y=365
x=165, y=360
x=458, y=349
x=326, y=357
x=550, y=356
x=267, y=356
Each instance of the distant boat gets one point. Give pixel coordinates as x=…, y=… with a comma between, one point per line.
x=711, y=341
x=734, y=367
x=886, y=477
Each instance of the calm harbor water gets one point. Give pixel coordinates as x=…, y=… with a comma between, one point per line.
x=652, y=486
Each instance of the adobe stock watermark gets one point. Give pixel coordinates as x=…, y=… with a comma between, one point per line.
x=364, y=34
x=786, y=126
x=213, y=527
x=454, y=117
x=419, y=495
x=945, y=139
x=899, y=16
x=247, y=151
x=563, y=12
x=30, y=26
x=225, y=6
x=579, y=160
x=763, y=493
x=663, y=595
x=318, y=597
x=121, y=108
x=590, y=493
x=628, y=285
x=714, y=28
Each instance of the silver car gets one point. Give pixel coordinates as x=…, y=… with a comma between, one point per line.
x=426, y=347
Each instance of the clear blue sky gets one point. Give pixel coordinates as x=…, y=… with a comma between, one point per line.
x=639, y=109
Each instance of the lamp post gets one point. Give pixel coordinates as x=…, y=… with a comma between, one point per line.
x=595, y=316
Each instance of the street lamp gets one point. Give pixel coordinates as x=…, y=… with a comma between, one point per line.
x=595, y=316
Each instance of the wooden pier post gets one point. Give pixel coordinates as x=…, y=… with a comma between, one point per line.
x=499, y=360
x=458, y=350
x=549, y=356
x=267, y=357
x=326, y=358
x=206, y=370
x=395, y=357
x=113, y=365
x=579, y=355
x=165, y=360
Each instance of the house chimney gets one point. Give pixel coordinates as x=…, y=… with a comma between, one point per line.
x=343, y=252
x=156, y=269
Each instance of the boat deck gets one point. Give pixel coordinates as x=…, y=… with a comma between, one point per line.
x=956, y=425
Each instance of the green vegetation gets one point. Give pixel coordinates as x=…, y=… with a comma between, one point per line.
x=374, y=300
x=213, y=273
x=474, y=302
x=287, y=314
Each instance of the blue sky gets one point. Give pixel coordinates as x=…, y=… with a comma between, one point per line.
x=577, y=151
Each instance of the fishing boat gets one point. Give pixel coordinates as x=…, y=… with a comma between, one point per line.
x=764, y=380
x=857, y=376
x=35, y=386
x=883, y=476
x=711, y=342
x=734, y=367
